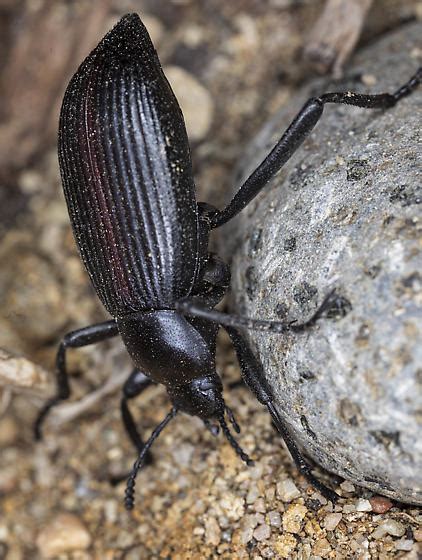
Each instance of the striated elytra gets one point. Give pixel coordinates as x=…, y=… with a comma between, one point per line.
x=127, y=176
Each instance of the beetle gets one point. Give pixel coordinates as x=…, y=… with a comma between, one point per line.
x=127, y=176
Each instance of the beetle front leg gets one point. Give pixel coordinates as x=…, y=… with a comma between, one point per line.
x=296, y=133
x=74, y=339
x=253, y=376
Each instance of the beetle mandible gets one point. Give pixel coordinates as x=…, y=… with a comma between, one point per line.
x=127, y=177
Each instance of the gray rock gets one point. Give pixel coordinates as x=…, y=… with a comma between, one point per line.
x=345, y=212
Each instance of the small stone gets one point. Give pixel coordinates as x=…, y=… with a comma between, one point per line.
x=332, y=520
x=322, y=548
x=274, y=518
x=259, y=506
x=195, y=101
x=390, y=527
x=380, y=504
x=293, y=517
x=287, y=490
x=262, y=533
x=8, y=431
x=246, y=535
x=347, y=486
x=404, y=544
x=349, y=508
x=19, y=372
x=363, y=505
x=285, y=545
x=212, y=531
x=417, y=534
x=253, y=494
x=65, y=533
x=368, y=79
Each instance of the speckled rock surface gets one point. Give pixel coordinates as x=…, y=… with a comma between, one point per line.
x=345, y=213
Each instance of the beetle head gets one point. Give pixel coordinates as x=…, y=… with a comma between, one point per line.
x=200, y=397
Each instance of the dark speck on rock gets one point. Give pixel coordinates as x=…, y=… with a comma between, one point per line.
x=305, y=424
x=289, y=244
x=307, y=375
x=340, y=307
x=350, y=412
x=406, y=195
x=303, y=293
x=251, y=281
x=281, y=310
x=357, y=169
x=373, y=271
x=386, y=438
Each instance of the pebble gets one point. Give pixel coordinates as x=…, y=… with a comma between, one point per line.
x=322, y=548
x=349, y=508
x=380, y=504
x=65, y=533
x=404, y=544
x=253, y=494
x=262, y=533
x=363, y=505
x=274, y=518
x=212, y=531
x=19, y=372
x=285, y=545
x=389, y=527
x=196, y=102
x=417, y=533
x=9, y=431
x=292, y=519
x=287, y=490
x=259, y=506
x=332, y=520
x=347, y=486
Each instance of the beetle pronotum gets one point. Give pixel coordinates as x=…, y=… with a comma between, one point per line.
x=127, y=176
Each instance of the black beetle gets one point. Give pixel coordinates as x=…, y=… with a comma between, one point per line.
x=127, y=176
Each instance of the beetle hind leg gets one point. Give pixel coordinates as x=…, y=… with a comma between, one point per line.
x=253, y=376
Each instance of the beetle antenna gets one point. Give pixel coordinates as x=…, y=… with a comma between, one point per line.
x=239, y=451
x=232, y=419
x=130, y=485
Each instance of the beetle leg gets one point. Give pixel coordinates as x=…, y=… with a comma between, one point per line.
x=253, y=376
x=195, y=308
x=136, y=383
x=296, y=133
x=74, y=339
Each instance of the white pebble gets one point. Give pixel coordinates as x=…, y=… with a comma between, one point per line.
x=363, y=505
x=262, y=533
x=404, y=544
x=287, y=490
x=274, y=518
x=65, y=533
x=332, y=520
x=390, y=527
